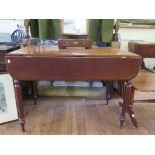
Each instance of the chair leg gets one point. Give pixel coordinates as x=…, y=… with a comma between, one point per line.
x=108, y=91
x=34, y=91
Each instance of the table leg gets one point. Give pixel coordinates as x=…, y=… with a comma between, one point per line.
x=34, y=91
x=130, y=109
x=19, y=102
x=108, y=91
x=121, y=88
x=127, y=105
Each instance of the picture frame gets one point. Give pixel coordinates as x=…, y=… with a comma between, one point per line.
x=8, y=108
x=137, y=23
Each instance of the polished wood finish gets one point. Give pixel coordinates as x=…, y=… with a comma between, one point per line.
x=73, y=68
x=64, y=43
x=51, y=63
x=144, y=81
x=69, y=64
x=54, y=51
x=144, y=49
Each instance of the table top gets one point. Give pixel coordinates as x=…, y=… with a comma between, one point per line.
x=53, y=51
x=50, y=63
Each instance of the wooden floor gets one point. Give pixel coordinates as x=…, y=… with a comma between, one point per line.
x=81, y=116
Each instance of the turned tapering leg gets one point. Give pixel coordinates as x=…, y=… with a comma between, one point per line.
x=34, y=91
x=19, y=102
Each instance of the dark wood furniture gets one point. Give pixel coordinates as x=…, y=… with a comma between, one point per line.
x=3, y=50
x=48, y=63
x=64, y=43
x=144, y=49
x=145, y=80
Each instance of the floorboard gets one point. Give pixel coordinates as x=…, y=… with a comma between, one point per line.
x=82, y=116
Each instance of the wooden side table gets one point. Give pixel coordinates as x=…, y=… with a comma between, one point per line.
x=32, y=63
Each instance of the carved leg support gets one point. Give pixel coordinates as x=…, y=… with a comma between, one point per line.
x=34, y=91
x=19, y=102
x=130, y=109
x=127, y=105
x=108, y=91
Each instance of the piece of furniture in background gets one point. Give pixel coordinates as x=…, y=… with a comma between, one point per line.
x=32, y=63
x=144, y=49
x=4, y=49
x=145, y=80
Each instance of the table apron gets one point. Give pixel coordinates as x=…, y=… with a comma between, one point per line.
x=72, y=68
